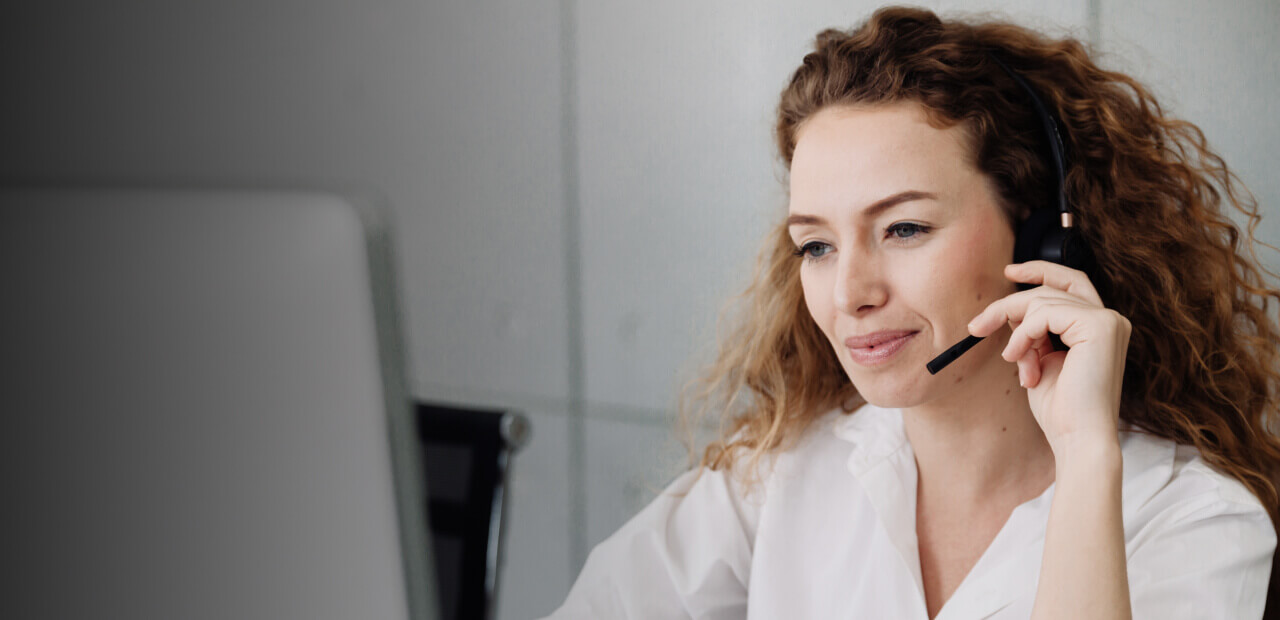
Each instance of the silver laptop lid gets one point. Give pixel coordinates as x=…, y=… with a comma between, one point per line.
x=204, y=410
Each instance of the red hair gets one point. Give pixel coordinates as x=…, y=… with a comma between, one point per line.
x=1150, y=198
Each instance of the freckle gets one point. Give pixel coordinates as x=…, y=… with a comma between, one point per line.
x=1004, y=428
x=979, y=296
x=960, y=378
x=1006, y=392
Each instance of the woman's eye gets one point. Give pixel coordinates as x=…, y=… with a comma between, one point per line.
x=813, y=250
x=906, y=230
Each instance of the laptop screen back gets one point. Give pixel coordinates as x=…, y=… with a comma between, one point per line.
x=204, y=412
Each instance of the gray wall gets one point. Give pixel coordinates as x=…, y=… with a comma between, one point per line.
x=579, y=186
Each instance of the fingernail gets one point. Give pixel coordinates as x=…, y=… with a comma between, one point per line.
x=1022, y=379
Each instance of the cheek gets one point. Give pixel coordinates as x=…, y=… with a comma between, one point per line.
x=975, y=270
x=817, y=298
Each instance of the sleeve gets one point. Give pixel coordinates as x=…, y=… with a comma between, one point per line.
x=685, y=555
x=1209, y=556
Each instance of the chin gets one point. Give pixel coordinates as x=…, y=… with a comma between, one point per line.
x=890, y=393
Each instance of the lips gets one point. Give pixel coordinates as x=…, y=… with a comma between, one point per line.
x=877, y=338
x=878, y=348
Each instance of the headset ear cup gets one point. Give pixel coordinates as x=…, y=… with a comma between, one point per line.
x=1079, y=255
x=1041, y=237
x=1033, y=233
x=1066, y=246
x=1055, y=244
x=1055, y=247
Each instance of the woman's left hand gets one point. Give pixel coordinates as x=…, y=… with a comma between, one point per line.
x=1073, y=394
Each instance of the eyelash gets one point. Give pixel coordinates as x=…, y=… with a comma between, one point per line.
x=920, y=229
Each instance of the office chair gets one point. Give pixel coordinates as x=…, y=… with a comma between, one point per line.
x=467, y=456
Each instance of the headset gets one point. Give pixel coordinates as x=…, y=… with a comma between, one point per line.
x=1046, y=234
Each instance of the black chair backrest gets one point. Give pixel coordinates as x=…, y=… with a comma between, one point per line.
x=467, y=454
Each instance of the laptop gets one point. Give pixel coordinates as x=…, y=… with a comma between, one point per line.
x=204, y=411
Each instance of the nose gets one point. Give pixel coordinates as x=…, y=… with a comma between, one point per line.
x=860, y=284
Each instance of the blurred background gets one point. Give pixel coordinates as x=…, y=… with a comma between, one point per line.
x=578, y=187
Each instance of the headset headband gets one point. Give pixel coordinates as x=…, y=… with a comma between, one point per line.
x=1050, y=126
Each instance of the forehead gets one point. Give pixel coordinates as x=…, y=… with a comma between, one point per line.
x=856, y=155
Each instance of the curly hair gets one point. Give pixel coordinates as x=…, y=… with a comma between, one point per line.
x=1148, y=194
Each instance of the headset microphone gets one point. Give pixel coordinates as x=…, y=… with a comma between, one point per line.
x=1046, y=234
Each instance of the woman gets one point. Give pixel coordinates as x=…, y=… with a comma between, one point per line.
x=1131, y=474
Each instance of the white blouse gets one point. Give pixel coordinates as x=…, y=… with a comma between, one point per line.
x=830, y=533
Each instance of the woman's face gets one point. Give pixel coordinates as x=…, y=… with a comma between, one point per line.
x=904, y=243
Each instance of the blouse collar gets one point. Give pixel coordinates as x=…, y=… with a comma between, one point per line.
x=878, y=433
x=884, y=463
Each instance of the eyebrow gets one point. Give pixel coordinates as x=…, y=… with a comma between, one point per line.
x=874, y=209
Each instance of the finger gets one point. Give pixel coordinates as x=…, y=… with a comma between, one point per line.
x=1054, y=275
x=1043, y=318
x=1051, y=366
x=1011, y=309
x=1043, y=346
x=1029, y=369
x=1040, y=349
